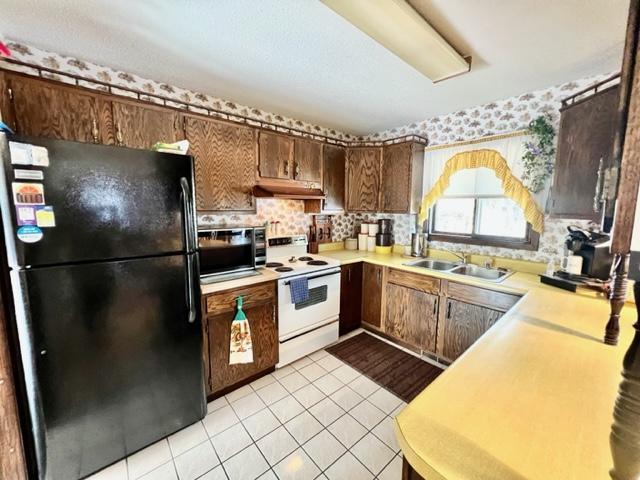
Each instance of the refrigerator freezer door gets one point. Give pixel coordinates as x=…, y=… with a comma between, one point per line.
x=108, y=203
x=112, y=359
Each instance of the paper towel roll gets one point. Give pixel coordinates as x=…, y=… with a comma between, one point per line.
x=362, y=241
x=371, y=244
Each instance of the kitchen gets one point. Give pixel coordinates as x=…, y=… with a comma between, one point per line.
x=301, y=248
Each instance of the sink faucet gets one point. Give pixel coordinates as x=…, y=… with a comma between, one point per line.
x=461, y=256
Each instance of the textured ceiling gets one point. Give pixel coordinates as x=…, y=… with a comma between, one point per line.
x=299, y=58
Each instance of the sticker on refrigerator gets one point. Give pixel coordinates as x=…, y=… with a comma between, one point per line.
x=45, y=216
x=20, y=153
x=28, y=193
x=27, y=154
x=26, y=215
x=29, y=234
x=21, y=174
x=39, y=156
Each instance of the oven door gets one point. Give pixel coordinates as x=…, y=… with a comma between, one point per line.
x=322, y=307
x=224, y=251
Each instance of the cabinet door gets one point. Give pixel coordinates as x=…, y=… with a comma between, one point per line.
x=333, y=177
x=350, y=297
x=141, y=126
x=461, y=325
x=307, y=161
x=586, y=133
x=264, y=336
x=395, y=189
x=372, y=294
x=45, y=109
x=275, y=156
x=411, y=316
x=225, y=164
x=363, y=179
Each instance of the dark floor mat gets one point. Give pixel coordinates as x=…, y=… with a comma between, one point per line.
x=402, y=374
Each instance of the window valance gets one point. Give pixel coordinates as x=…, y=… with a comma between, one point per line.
x=512, y=187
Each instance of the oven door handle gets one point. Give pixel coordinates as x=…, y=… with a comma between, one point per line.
x=311, y=277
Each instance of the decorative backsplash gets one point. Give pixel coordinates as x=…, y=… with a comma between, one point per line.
x=290, y=213
x=496, y=117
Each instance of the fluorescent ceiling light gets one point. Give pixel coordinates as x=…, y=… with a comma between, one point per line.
x=399, y=28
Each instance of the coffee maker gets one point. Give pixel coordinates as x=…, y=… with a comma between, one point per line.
x=593, y=247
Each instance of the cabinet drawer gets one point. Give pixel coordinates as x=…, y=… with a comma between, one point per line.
x=226, y=301
x=481, y=296
x=414, y=280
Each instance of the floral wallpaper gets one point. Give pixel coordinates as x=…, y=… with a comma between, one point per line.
x=500, y=116
x=90, y=71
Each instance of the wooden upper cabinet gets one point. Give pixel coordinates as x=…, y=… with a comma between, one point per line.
x=401, y=178
x=363, y=179
x=372, y=281
x=42, y=108
x=334, y=159
x=141, y=126
x=225, y=164
x=275, y=156
x=586, y=133
x=461, y=325
x=307, y=161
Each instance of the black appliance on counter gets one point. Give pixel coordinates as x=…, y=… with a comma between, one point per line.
x=593, y=247
x=101, y=246
x=228, y=252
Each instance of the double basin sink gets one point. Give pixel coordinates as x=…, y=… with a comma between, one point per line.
x=464, y=269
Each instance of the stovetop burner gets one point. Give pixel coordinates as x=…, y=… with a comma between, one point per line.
x=284, y=269
x=305, y=259
x=273, y=264
x=317, y=262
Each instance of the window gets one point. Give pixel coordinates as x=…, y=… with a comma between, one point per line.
x=474, y=210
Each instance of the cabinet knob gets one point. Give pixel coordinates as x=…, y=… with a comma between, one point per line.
x=296, y=172
x=286, y=168
x=95, y=133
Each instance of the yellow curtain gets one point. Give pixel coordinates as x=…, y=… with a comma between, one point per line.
x=512, y=187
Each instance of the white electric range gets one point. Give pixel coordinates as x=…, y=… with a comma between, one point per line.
x=311, y=325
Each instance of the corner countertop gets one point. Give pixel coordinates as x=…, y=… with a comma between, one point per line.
x=532, y=399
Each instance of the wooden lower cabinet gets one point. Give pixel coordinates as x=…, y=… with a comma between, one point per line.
x=260, y=307
x=372, y=281
x=461, y=325
x=350, y=297
x=411, y=316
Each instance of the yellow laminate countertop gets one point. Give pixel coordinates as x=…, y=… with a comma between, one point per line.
x=262, y=275
x=532, y=399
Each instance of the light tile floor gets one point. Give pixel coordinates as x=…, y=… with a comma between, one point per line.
x=315, y=419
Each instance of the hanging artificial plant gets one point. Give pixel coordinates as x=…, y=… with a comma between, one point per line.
x=540, y=153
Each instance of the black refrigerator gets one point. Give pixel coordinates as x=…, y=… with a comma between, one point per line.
x=101, y=247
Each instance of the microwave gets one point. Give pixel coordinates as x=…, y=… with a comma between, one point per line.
x=227, y=250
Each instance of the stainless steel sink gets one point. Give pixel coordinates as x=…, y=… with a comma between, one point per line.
x=490, y=274
x=466, y=269
x=432, y=264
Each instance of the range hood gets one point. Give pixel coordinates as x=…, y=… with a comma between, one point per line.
x=287, y=192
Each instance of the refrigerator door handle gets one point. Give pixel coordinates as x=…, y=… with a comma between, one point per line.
x=190, y=289
x=187, y=212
